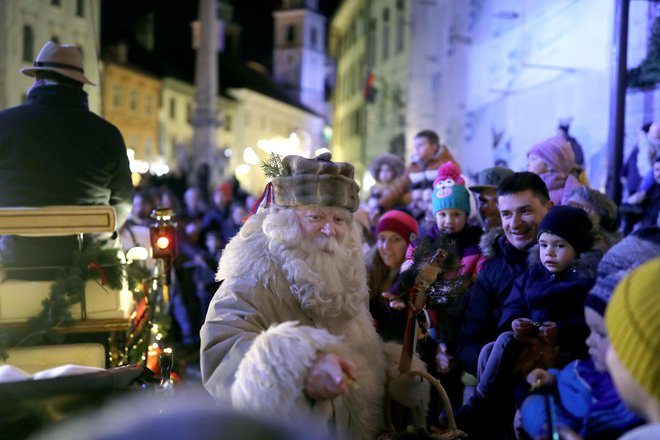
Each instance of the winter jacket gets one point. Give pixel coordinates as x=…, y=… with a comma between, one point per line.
x=586, y=401
x=418, y=174
x=54, y=151
x=258, y=344
x=487, y=295
x=559, y=297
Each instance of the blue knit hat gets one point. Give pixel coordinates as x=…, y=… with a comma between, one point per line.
x=453, y=196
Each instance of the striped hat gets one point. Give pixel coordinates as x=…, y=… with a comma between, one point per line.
x=632, y=319
x=316, y=182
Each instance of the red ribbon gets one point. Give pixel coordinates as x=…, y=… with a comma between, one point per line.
x=101, y=271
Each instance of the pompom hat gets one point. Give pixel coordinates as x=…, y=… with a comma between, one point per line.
x=556, y=152
x=571, y=224
x=400, y=223
x=449, y=190
x=632, y=319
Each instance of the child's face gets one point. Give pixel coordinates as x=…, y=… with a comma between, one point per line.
x=535, y=164
x=630, y=391
x=556, y=253
x=385, y=173
x=450, y=220
x=597, y=340
x=656, y=172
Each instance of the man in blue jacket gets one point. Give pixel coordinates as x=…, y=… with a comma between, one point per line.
x=523, y=201
x=54, y=151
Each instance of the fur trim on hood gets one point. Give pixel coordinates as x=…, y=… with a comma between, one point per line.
x=487, y=242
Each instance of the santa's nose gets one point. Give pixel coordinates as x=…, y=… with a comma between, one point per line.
x=328, y=230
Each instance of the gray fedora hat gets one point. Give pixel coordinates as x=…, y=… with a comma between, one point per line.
x=490, y=178
x=64, y=59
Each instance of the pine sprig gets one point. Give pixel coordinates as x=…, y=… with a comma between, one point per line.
x=274, y=166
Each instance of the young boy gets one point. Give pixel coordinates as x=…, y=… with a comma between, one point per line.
x=544, y=309
x=585, y=399
x=632, y=320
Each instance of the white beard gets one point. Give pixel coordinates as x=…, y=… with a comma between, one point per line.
x=327, y=277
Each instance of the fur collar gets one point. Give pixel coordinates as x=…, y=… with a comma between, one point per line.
x=488, y=241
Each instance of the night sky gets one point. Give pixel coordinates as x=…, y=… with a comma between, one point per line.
x=173, y=18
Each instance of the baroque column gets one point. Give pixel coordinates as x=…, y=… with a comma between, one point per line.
x=205, y=119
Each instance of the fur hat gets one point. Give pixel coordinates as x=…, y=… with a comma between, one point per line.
x=65, y=59
x=490, y=178
x=571, y=224
x=391, y=160
x=632, y=319
x=556, y=152
x=316, y=181
x=400, y=223
x=448, y=190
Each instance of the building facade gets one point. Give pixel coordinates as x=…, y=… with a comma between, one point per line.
x=26, y=25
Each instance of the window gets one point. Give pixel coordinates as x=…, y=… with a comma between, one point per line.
x=80, y=8
x=28, y=44
x=371, y=44
x=56, y=2
x=228, y=122
x=386, y=42
x=188, y=111
x=116, y=96
x=290, y=34
x=148, y=104
x=148, y=147
x=313, y=38
x=172, y=108
x=400, y=32
x=132, y=100
x=55, y=39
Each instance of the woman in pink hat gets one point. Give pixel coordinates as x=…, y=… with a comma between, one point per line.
x=553, y=160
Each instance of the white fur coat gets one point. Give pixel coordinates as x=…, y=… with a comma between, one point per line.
x=258, y=345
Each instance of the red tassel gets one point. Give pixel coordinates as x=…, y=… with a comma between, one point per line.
x=101, y=271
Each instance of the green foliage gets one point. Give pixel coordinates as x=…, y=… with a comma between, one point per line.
x=274, y=166
x=93, y=262
x=647, y=74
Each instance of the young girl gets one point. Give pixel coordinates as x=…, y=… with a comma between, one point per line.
x=384, y=168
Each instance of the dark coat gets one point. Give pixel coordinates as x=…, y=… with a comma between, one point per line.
x=54, y=151
x=559, y=297
x=487, y=296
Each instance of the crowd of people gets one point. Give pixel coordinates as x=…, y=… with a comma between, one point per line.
x=544, y=314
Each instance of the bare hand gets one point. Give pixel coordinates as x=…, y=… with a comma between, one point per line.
x=540, y=377
x=329, y=376
x=548, y=332
x=522, y=327
x=393, y=301
x=443, y=360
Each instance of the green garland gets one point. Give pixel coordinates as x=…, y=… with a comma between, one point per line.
x=647, y=74
x=93, y=262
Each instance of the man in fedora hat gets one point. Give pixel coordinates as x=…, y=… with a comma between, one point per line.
x=54, y=151
x=288, y=334
x=485, y=194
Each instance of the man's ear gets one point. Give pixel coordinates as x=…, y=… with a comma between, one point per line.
x=549, y=204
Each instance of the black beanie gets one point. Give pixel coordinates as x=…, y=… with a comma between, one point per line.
x=571, y=224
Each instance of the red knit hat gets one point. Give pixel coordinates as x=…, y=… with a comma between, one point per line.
x=400, y=223
x=225, y=189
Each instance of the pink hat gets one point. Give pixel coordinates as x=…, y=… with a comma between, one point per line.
x=556, y=152
x=400, y=223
